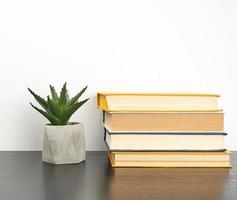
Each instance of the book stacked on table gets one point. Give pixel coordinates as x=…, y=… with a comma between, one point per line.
x=163, y=130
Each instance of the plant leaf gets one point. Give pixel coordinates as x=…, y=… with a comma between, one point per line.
x=53, y=93
x=67, y=97
x=39, y=99
x=50, y=117
x=76, y=97
x=54, y=107
x=63, y=95
x=72, y=109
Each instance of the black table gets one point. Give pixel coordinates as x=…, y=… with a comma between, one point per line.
x=23, y=176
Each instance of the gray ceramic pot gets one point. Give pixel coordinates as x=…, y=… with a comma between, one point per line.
x=64, y=144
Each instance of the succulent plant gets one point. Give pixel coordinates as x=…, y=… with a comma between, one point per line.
x=58, y=109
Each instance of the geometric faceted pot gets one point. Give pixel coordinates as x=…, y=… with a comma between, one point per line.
x=64, y=144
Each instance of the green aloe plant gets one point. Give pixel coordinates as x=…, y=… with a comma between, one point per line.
x=58, y=109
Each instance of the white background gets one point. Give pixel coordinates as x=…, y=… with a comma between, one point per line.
x=113, y=45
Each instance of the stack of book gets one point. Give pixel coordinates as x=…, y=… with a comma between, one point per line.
x=163, y=130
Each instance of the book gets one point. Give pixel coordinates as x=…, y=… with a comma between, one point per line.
x=165, y=141
x=171, y=156
x=117, y=163
x=160, y=121
x=154, y=102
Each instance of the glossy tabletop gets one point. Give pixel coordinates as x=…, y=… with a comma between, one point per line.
x=23, y=176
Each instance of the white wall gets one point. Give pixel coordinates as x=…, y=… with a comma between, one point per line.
x=122, y=45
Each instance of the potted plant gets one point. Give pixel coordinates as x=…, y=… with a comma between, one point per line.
x=63, y=141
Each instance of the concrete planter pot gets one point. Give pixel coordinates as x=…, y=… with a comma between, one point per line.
x=64, y=144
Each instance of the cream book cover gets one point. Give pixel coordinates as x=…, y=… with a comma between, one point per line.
x=179, y=102
x=165, y=141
